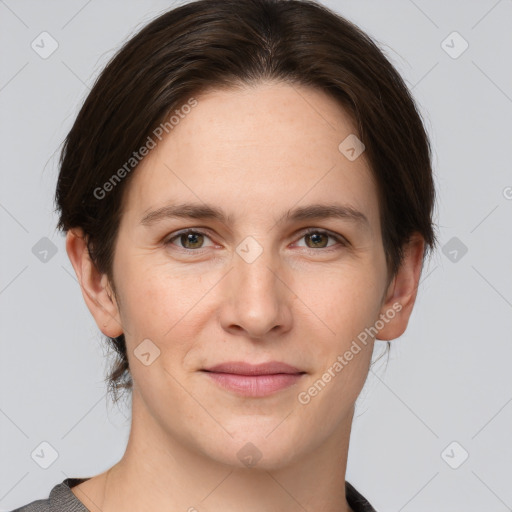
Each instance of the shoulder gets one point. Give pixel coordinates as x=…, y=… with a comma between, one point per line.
x=356, y=500
x=61, y=499
x=35, y=506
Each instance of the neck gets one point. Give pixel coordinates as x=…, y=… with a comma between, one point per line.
x=159, y=472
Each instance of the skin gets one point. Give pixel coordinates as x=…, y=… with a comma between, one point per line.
x=254, y=152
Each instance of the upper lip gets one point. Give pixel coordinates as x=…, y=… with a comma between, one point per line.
x=243, y=368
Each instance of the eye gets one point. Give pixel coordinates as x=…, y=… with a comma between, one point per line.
x=191, y=239
x=318, y=238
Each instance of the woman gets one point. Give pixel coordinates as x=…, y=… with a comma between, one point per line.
x=247, y=194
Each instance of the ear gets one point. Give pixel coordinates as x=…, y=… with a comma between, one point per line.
x=401, y=292
x=96, y=289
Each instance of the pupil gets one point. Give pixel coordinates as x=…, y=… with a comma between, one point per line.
x=191, y=238
x=315, y=239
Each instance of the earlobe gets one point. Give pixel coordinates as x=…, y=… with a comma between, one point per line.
x=401, y=292
x=95, y=286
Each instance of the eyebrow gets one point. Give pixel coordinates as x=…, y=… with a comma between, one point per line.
x=207, y=211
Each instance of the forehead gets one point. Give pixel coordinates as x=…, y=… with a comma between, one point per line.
x=255, y=151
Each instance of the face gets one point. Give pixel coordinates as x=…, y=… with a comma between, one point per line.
x=258, y=283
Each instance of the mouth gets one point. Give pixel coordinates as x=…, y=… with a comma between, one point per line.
x=243, y=368
x=254, y=380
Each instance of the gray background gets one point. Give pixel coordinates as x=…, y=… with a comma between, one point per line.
x=449, y=376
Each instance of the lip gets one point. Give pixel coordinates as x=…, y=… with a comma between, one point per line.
x=254, y=380
x=243, y=368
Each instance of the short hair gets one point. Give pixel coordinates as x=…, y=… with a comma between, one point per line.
x=206, y=45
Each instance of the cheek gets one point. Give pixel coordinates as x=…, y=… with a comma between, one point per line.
x=158, y=306
x=344, y=301
x=342, y=348
x=155, y=295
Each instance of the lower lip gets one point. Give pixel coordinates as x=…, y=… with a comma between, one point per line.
x=255, y=385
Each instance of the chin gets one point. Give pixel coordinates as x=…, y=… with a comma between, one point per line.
x=256, y=449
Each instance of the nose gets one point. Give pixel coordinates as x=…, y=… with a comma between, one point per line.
x=257, y=298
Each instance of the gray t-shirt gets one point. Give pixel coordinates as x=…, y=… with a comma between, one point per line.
x=61, y=499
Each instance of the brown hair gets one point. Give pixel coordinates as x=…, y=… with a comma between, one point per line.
x=207, y=44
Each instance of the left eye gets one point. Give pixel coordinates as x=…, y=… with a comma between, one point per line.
x=316, y=236
x=192, y=239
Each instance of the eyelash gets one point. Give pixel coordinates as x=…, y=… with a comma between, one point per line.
x=341, y=240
